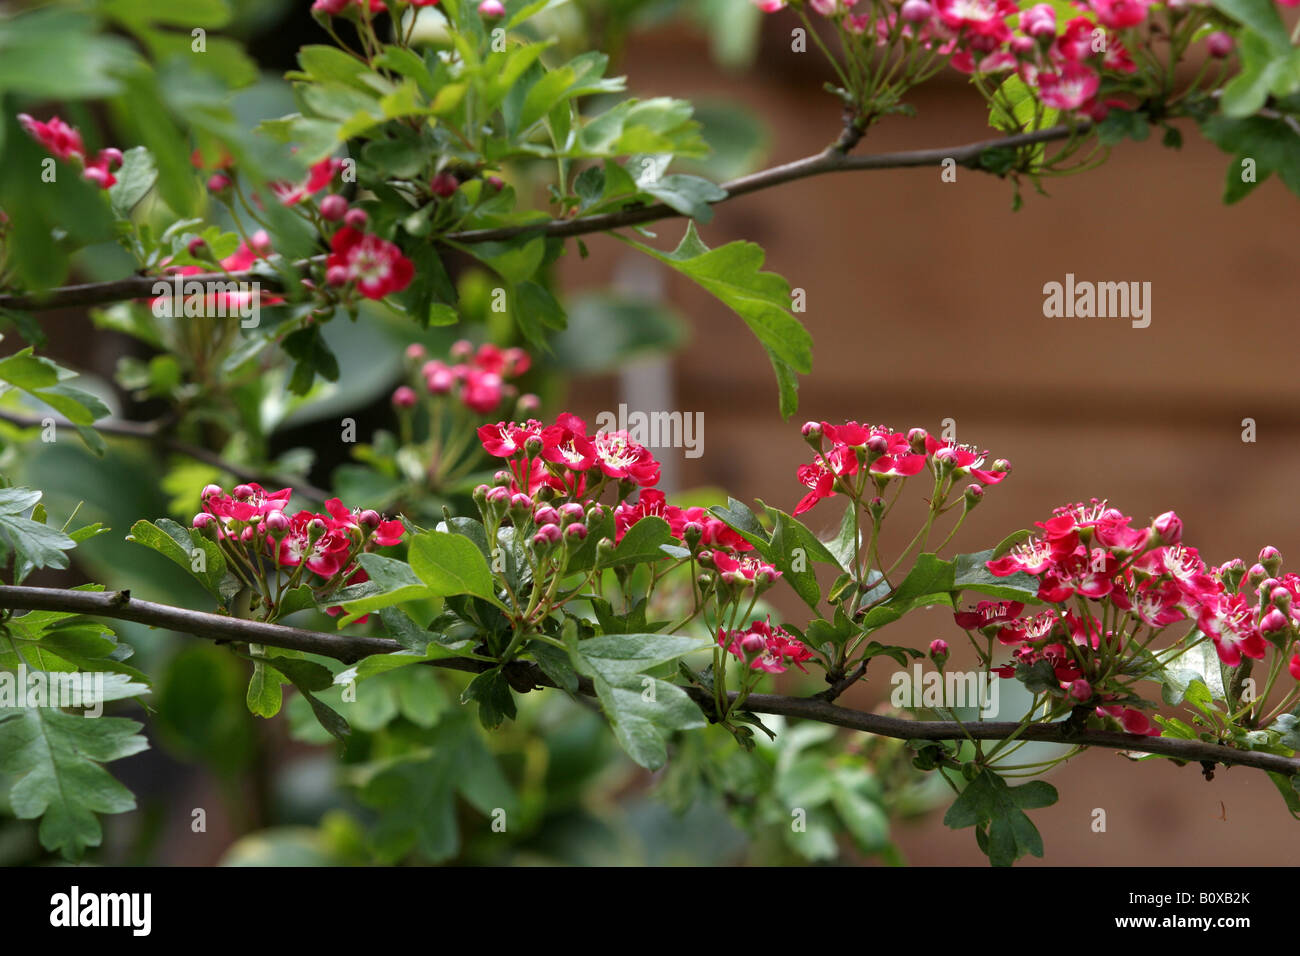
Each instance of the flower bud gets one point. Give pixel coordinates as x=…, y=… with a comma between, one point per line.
x=916, y=11
x=369, y=519
x=575, y=532
x=1273, y=622
x=545, y=493
x=1271, y=558
x=876, y=446
x=242, y=491
x=1080, y=689
x=528, y=403
x=545, y=514
x=218, y=183
x=333, y=207
x=203, y=520
x=812, y=434
x=415, y=352
x=209, y=491
x=1232, y=572
x=491, y=8
x=1168, y=529
x=198, y=248
x=404, y=397
x=315, y=528
x=595, y=514
x=1281, y=598
x=916, y=440
x=521, y=507
x=444, y=185
x=533, y=445
x=336, y=275
x=605, y=546
x=480, y=495
x=356, y=218
x=939, y=652
x=1219, y=44
x=876, y=508
x=692, y=532
x=753, y=643
x=1256, y=575
x=571, y=512
x=502, y=479
x=277, y=524
x=973, y=495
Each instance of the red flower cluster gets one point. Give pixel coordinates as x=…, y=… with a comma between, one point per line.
x=64, y=142
x=1150, y=578
x=765, y=646
x=568, y=459
x=992, y=36
x=884, y=454
x=479, y=379
x=252, y=521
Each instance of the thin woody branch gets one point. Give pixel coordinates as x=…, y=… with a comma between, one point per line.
x=833, y=159
x=524, y=676
x=153, y=432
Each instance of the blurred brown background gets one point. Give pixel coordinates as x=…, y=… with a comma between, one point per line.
x=925, y=302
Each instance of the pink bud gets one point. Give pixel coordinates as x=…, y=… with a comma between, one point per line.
x=333, y=207
x=415, y=351
x=1273, y=622
x=208, y=491
x=491, y=8
x=529, y=403
x=549, y=533
x=369, y=519
x=260, y=242
x=917, y=11
x=499, y=495
x=753, y=643
x=203, y=519
x=336, y=275
x=571, y=512
x=277, y=523
x=939, y=649
x=575, y=532
x=1080, y=689
x=218, y=183
x=242, y=491
x=521, y=502
x=1170, y=528
x=356, y=218
x=462, y=348
x=444, y=185
x=812, y=431
x=1219, y=44
x=404, y=397
x=196, y=247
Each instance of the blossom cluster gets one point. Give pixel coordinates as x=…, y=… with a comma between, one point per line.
x=1064, y=62
x=1095, y=566
x=256, y=531
x=357, y=260
x=562, y=470
x=878, y=452
x=765, y=647
x=64, y=142
x=340, y=8
x=478, y=379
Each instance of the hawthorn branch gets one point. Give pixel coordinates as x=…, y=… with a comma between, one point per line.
x=524, y=676
x=155, y=432
x=833, y=159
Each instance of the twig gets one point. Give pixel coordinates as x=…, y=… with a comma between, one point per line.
x=522, y=674
x=151, y=431
x=833, y=159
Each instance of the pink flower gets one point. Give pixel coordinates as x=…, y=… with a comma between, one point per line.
x=770, y=6
x=620, y=457
x=319, y=177
x=566, y=443
x=1294, y=666
x=504, y=439
x=987, y=613
x=966, y=460
x=1228, y=620
x=1120, y=14
x=481, y=391
x=744, y=570
x=1069, y=89
x=766, y=647
x=58, y=137
x=1039, y=21
x=376, y=265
